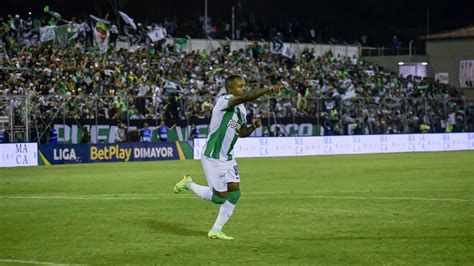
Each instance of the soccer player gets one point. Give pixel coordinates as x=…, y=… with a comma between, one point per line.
x=228, y=123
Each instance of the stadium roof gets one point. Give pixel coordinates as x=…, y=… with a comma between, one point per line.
x=466, y=32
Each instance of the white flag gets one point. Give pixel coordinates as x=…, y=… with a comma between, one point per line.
x=170, y=85
x=350, y=93
x=275, y=47
x=157, y=33
x=47, y=33
x=128, y=19
x=101, y=33
x=288, y=50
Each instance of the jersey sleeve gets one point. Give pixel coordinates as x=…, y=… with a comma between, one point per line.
x=222, y=102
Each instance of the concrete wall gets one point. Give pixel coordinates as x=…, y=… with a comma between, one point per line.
x=445, y=56
x=319, y=49
x=212, y=44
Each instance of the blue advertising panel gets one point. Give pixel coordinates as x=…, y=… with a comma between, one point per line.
x=64, y=153
x=143, y=151
x=120, y=152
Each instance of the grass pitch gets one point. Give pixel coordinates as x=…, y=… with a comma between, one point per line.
x=415, y=208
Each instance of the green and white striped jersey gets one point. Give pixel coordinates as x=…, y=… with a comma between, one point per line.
x=224, y=128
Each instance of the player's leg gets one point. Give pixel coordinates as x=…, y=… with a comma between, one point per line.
x=202, y=191
x=227, y=208
x=233, y=192
x=233, y=185
x=215, y=171
x=211, y=170
x=232, y=196
x=225, y=212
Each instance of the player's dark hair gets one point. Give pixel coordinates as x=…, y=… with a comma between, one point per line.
x=230, y=79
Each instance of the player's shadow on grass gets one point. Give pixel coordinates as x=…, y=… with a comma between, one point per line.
x=173, y=228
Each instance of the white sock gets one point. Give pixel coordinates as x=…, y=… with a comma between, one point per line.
x=201, y=191
x=225, y=212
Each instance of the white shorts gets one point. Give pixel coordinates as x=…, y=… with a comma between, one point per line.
x=219, y=173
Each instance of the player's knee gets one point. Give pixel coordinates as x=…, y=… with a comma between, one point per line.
x=233, y=196
x=217, y=199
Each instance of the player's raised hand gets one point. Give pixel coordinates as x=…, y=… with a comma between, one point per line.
x=257, y=122
x=275, y=88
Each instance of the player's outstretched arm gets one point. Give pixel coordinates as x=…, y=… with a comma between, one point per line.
x=252, y=95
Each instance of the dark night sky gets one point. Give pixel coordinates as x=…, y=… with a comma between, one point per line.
x=346, y=19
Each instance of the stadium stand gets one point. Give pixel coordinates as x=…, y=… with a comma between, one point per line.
x=345, y=95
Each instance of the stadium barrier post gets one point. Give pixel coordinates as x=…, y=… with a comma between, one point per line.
x=12, y=119
x=293, y=117
x=466, y=129
x=233, y=22
x=405, y=123
x=189, y=44
x=360, y=103
x=297, y=50
x=187, y=132
x=96, y=118
x=427, y=115
x=317, y=110
x=209, y=44
x=27, y=120
x=340, y=119
x=268, y=115
x=64, y=116
x=369, y=125
x=128, y=110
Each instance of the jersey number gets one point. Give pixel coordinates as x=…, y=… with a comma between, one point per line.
x=236, y=170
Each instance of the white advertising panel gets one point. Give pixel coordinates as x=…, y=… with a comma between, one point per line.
x=18, y=154
x=332, y=145
x=466, y=73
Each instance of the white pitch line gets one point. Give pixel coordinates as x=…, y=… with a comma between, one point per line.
x=387, y=198
x=35, y=262
x=88, y=198
x=369, y=190
x=246, y=195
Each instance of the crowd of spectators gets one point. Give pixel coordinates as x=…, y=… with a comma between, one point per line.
x=344, y=95
x=248, y=27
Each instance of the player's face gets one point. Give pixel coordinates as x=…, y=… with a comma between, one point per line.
x=238, y=86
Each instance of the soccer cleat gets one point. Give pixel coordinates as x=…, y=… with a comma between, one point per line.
x=218, y=235
x=181, y=185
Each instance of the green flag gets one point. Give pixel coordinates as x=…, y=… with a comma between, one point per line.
x=180, y=44
x=63, y=87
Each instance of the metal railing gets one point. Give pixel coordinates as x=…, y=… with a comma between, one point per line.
x=24, y=118
x=388, y=51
